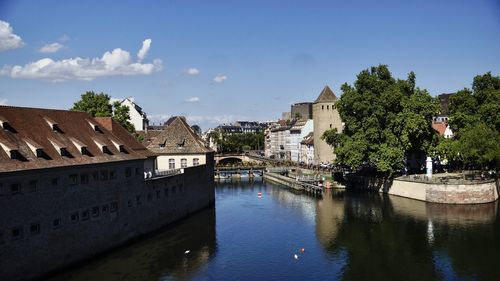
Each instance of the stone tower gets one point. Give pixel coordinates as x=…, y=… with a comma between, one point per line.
x=325, y=117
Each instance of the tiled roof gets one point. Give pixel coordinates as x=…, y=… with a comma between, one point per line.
x=178, y=138
x=326, y=95
x=40, y=135
x=439, y=127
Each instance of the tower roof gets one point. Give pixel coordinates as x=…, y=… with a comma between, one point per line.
x=326, y=95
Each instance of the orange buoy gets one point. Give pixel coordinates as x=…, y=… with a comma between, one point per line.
x=302, y=250
x=259, y=194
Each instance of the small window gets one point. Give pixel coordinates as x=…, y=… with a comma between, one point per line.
x=138, y=200
x=104, y=175
x=73, y=179
x=128, y=172
x=17, y=233
x=84, y=178
x=184, y=163
x=95, y=211
x=129, y=203
x=158, y=194
x=105, y=208
x=74, y=217
x=137, y=171
x=171, y=163
x=95, y=175
x=165, y=192
x=113, y=207
x=56, y=223
x=322, y=107
x=196, y=162
x=55, y=181
x=35, y=228
x=64, y=152
x=112, y=174
x=33, y=185
x=150, y=197
x=327, y=107
x=2, y=241
x=330, y=126
x=15, y=188
x=174, y=189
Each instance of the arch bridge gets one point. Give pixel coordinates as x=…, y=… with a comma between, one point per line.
x=235, y=158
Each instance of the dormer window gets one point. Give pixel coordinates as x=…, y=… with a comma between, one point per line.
x=6, y=125
x=81, y=147
x=35, y=148
x=94, y=126
x=180, y=145
x=53, y=124
x=102, y=146
x=120, y=147
x=60, y=148
x=12, y=151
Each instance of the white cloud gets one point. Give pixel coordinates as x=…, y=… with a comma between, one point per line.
x=146, y=44
x=9, y=40
x=193, y=99
x=3, y=101
x=116, y=62
x=51, y=48
x=192, y=71
x=219, y=78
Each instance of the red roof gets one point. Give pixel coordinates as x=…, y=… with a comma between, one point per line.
x=49, y=130
x=439, y=127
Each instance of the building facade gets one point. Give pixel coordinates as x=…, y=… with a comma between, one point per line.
x=326, y=117
x=73, y=186
x=297, y=133
x=307, y=150
x=178, y=146
x=138, y=118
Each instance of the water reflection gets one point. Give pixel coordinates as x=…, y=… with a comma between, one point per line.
x=158, y=257
x=394, y=238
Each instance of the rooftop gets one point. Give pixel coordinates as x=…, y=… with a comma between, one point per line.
x=326, y=95
x=35, y=138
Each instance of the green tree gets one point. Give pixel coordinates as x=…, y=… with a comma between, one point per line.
x=121, y=115
x=385, y=119
x=98, y=105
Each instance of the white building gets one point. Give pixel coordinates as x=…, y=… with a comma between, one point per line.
x=297, y=134
x=138, y=118
x=307, y=149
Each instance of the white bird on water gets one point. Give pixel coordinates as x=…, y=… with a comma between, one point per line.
x=186, y=252
x=296, y=257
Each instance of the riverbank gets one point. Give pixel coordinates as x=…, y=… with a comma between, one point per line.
x=435, y=191
x=298, y=185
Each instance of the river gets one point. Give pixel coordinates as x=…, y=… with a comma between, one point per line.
x=341, y=236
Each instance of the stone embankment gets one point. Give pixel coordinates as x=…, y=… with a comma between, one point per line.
x=437, y=191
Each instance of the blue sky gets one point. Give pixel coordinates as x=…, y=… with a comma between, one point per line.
x=221, y=61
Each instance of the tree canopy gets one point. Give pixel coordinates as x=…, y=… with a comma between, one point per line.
x=475, y=122
x=385, y=119
x=237, y=142
x=99, y=105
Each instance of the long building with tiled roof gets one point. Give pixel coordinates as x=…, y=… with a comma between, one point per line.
x=73, y=186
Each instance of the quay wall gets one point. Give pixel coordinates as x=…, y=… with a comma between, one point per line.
x=63, y=223
x=447, y=193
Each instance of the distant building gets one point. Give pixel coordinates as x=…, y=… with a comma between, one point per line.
x=250, y=126
x=307, y=149
x=303, y=110
x=326, y=117
x=443, y=129
x=277, y=141
x=138, y=118
x=178, y=146
x=444, y=102
x=297, y=134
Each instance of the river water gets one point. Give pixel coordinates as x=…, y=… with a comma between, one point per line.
x=341, y=236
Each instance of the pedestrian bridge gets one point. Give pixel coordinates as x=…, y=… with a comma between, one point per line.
x=234, y=158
